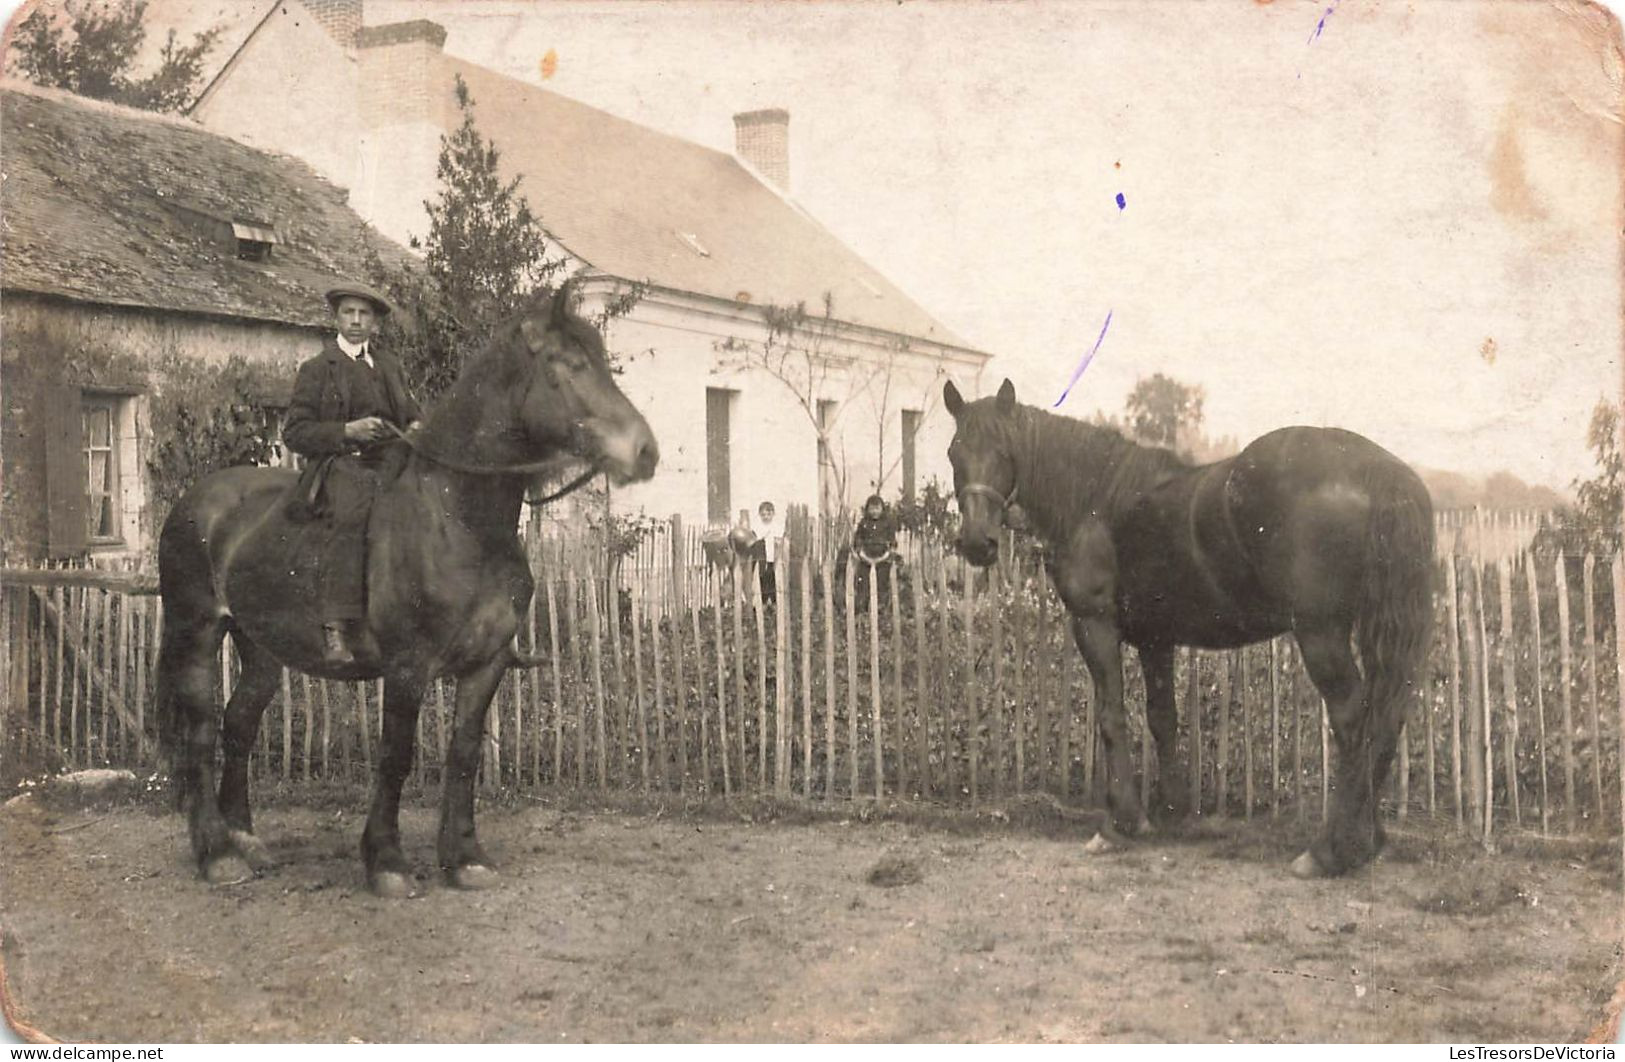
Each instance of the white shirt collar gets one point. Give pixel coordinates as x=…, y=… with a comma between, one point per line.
x=357, y=351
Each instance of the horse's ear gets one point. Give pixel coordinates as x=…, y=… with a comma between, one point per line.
x=952, y=399
x=561, y=302
x=1007, y=396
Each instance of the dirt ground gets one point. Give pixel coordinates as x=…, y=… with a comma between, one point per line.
x=650, y=922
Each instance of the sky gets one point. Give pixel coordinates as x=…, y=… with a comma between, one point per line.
x=1398, y=218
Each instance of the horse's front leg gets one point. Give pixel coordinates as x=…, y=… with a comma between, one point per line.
x=388, y=872
x=1161, y=715
x=461, y=858
x=1102, y=649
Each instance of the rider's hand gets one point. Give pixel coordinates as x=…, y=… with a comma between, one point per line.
x=366, y=429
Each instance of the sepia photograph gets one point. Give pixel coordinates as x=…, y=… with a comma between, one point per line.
x=844, y=521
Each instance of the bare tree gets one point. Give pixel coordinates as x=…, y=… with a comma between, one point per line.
x=801, y=351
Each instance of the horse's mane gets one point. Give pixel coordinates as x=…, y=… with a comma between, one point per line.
x=504, y=363
x=1069, y=469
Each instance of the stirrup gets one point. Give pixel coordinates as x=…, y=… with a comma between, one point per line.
x=334, y=648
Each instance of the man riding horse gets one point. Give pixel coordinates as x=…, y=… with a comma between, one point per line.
x=348, y=402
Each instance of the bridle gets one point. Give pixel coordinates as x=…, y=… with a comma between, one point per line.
x=520, y=469
x=1004, y=500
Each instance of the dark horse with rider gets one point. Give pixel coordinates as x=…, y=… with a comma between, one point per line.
x=394, y=555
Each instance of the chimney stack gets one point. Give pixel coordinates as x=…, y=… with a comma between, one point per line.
x=762, y=138
x=340, y=18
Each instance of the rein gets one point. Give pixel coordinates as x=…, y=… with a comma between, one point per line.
x=526, y=468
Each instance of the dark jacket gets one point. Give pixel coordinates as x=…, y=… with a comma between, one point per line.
x=322, y=404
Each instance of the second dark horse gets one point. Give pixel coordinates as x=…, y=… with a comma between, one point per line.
x=447, y=584
x=1310, y=530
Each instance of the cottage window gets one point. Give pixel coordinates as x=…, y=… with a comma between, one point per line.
x=100, y=435
x=254, y=240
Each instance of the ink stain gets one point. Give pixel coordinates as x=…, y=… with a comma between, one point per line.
x=1121, y=202
x=1320, y=27
x=1488, y=351
x=1084, y=364
x=550, y=64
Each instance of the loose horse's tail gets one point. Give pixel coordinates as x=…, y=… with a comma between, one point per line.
x=1396, y=607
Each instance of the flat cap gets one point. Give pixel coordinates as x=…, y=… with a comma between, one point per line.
x=359, y=291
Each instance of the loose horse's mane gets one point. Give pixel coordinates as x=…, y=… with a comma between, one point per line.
x=1068, y=469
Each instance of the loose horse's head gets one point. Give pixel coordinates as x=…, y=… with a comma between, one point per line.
x=570, y=400
x=984, y=470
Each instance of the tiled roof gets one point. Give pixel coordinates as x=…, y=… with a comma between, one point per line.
x=641, y=204
x=117, y=206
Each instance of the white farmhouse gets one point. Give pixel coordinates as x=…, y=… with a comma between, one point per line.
x=846, y=404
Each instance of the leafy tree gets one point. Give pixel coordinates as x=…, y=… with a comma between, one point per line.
x=1592, y=524
x=484, y=256
x=1160, y=410
x=93, y=55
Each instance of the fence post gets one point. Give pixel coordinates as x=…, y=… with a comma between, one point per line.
x=1247, y=731
x=829, y=678
x=662, y=749
x=1275, y=728
x=1221, y=759
x=1540, y=693
x=922, y=675
x=600, y=722
x=1193, y=709
x=739, y=664
x=722, y=685
x=998, y=592
x=877, y=727
x=1018, y=637
x=852, y=756
x=1618, y=572
x=1566, y=672
x=1043, y=660
x=1455, y=689
x=758, y=615
x=804, y=583
x=781, y=677
x=1509, y=686
x=640, y=708
x=60, y=599
x=1592, y=695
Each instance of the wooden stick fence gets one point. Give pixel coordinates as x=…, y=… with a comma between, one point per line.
x=930, y=680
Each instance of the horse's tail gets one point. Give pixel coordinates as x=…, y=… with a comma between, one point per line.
x=182, y=680
x=1396, y=600
x=167, y=716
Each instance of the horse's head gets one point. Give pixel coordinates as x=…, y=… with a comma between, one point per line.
x=984, y=470
x=570, y=399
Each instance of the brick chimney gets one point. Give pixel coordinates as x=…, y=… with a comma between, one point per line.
x=340, y=18
x=762, y=138
x=403, y=99
x=398, y=62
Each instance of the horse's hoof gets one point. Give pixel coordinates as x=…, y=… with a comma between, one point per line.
x=473, y=876
x=392, y=885
x=253, y=850
x=1099, y=845
x=228, y=870
x=1306, y=867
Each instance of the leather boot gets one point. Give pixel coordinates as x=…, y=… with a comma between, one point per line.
x=334, y=648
